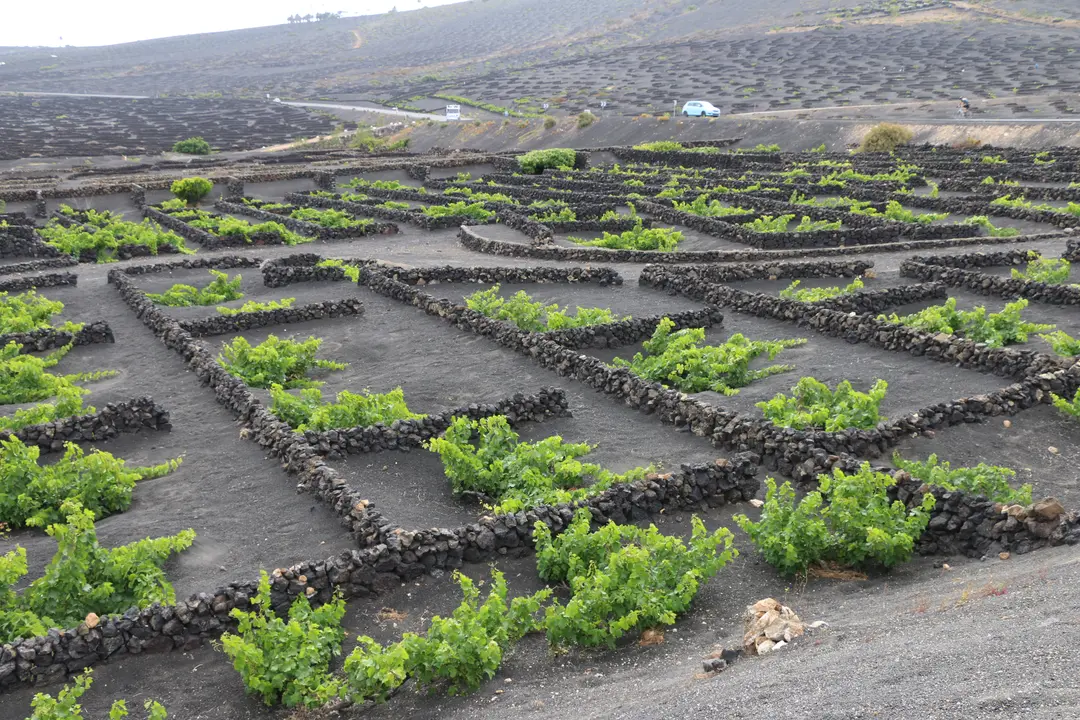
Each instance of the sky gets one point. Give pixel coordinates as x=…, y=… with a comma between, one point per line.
x=78, y=22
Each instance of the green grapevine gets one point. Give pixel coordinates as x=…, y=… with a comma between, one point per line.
x=287, y=661
x=65, y=705
x=994, y=329
x=29, y=311
x=989, y=481
x=638, y=238
x=275, y=361
x=517, y=475
x=221, y=289
x=475, y=210
x=252, y=306
x=814, y=406
x=1062, y=343
x=84, y=577
x=681, y=360
x=623, y=577
x=32, y=494
x=1052, y=271
x=308, y=411
x=848, y=520
x=24, y=378
x=792, y=291
x=534, y=316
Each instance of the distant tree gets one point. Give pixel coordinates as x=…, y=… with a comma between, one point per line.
x=292, y=19
x=307, y=18
x=192, y=146
x=191, y=190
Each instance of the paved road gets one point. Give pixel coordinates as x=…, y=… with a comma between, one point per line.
x=369, y=108
x=949, y=118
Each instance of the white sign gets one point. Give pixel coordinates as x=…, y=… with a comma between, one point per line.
x=603, y=103
x=546, y=106
x=453, y=112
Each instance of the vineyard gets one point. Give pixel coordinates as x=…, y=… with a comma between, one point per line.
x=429, y=435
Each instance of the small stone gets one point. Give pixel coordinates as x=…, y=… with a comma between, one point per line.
x=1053, y=450
x=945, y=566
x=757, y=503
x=1004, y=555
x=91, y=620
x=765, y=646
x=1007, y=423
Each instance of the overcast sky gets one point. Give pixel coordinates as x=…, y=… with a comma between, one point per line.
x=78, y=22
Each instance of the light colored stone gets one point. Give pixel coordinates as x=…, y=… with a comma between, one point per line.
x=1047, y=509
x=765, y=646
x=91, y=620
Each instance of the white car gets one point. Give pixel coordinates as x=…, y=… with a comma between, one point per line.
x=700, y=108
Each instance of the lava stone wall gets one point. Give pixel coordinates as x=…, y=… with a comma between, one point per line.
x=115, y=418
x=38, y=281
x=224, y=324
x=48, y=338
x=35, y=265
x=407, y=434
x=984, y=284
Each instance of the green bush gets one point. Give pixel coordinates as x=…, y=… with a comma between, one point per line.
x=68, y=403
x=460, y=652
x=895, y=211
x=535, y=162
x=849, y=521
x=682, y=360
x=106, y=241
x=703, y=207
x=231, y=227
x=517, y=475
x=1052, y=271
x=221, y=289
x=329, y=218
x=192, y=146
x=989, y=481
x=814, y=406
x=32, y=494
x=350, y=271
x=660, y=146
x=991, y=229
x=475, y=210
x=994, y=329
x=532, y=316
x=769, y=224
x=638, y=238
x=310, y=412
x=791, y=292
x=809, y=225
x=29, y=311
x=65, y=705
x=252, y=306
x=287, y=661
x=585, y=119
x=623, y=577
x=1062, y=343
x=1068, y=407
x=885, y=138
x=562, y=215
x=83, y=577
x=25, y=378
x=275, y=361
x=549, y=122
x=191, y=190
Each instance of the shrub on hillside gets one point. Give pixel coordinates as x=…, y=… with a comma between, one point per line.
x=191, y=190
x=536, y=161
x=192, y=146
x=885, y=137
x=585, y=119
x=549, y=122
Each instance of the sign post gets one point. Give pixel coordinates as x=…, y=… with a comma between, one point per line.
x=453, y=112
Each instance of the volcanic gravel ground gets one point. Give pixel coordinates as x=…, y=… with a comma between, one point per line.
x=977, y=640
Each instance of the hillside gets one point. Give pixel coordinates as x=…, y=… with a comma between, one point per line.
x=312, y=59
